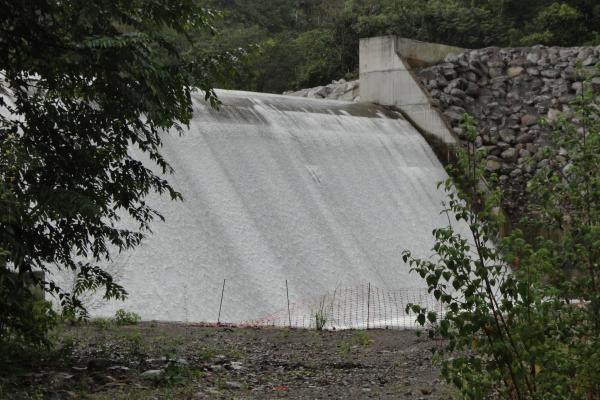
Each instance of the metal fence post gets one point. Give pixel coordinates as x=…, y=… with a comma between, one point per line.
x=368, y=304
x=287, y=294
x=221, y=303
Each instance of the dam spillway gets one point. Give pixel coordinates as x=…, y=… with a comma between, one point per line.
x=321, y=194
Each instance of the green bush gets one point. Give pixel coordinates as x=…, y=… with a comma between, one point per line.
x=557, y=24
x=533, y=332
x=25, y=317
x=123, y=317
x=320, y=320
x=22, y=336
x=362, y=338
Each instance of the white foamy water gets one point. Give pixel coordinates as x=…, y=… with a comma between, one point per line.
x=322, y=193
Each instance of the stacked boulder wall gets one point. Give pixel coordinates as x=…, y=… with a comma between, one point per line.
x=508, y=91
x=324, y=194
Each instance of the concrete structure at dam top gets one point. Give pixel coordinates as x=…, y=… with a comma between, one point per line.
x=386, y=78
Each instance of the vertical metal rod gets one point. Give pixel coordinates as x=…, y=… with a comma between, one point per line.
x=287, y=294
x=368, y=304
x=221, y=304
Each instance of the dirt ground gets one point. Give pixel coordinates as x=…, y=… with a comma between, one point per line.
x=168, y=361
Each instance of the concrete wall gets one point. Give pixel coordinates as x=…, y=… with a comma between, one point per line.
x=386, y=78
x=324, y=194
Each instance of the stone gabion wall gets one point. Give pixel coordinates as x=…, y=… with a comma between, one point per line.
x=507, y=91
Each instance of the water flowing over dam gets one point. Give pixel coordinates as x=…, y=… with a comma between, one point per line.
x=323, y=194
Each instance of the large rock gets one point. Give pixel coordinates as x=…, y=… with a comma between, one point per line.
x=589, y=61
x=493, y=165
x=596, y=85
x=453, y=116
x=507, y=135
x=533, y=57
x=510, y=154
x=299, y=93
x=319, y=92
x=336, y=90
x=514, y=71
x=525, y=138
x=554, y=114
x=152, y=374
x=529, y=120
x=550, y=73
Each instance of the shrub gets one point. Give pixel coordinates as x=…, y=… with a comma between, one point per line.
x=320, y=314
x=320, y=320
x=533, y=332
x=23, y=338
x=123, y=317
x=25, y=317
x=362, y=338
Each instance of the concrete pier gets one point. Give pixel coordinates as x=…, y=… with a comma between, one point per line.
x=386, y=78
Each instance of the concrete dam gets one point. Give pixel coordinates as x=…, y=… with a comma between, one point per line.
x=284, y=198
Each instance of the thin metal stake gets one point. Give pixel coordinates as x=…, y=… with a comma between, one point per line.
x=221, y=304
x=287, y=294
x=368, y=304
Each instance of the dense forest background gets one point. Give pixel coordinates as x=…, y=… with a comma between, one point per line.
x=305, y=43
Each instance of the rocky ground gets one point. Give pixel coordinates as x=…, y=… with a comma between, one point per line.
x=166, y=361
